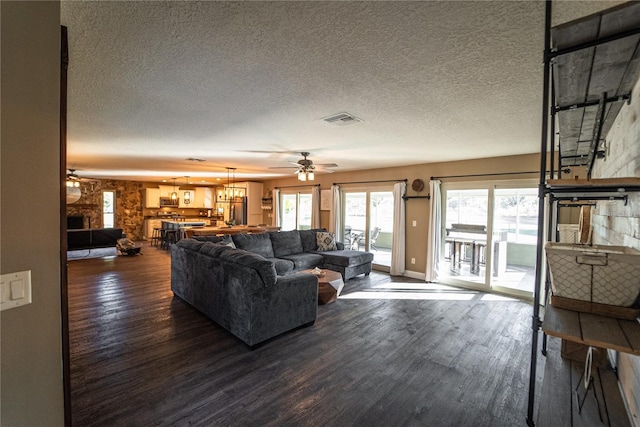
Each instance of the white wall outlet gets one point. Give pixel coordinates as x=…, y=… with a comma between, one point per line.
x=15, y=289
x=415, y=223
x=413, y=260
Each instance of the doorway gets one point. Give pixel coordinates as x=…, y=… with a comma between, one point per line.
x=490, y=236
x=368, y=223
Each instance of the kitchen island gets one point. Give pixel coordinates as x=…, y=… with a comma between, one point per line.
x=177, y=225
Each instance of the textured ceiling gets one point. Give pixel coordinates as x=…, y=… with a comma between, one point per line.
x=246, y=84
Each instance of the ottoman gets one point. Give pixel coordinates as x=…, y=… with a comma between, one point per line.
x=347, y=262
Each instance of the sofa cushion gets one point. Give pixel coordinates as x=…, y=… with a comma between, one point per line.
x=213, y=249
x=214, y=239
x=257, y=243
x=262, y=266
x=190, y=244
x=286, y=243
x=308, y=238
x=283, y=266
x=326, y=241
x=346, y=258
x=305, y=260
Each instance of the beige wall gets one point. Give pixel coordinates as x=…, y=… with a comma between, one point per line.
x=418, y=209
x=31, y=362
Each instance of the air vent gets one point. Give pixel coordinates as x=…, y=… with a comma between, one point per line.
x=342, y=119
x=193, y=159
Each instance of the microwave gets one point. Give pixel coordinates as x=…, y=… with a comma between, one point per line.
x=168, y=201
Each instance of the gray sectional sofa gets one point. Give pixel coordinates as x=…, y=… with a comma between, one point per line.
x=296, y=250
x=251, y=284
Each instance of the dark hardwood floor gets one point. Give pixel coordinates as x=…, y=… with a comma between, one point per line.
x=391, y=351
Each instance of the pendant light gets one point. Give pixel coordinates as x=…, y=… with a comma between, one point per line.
x=187, y=194
x=174, y=195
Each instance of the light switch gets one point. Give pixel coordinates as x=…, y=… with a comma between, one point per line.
x=415, y=223
x=15, y=289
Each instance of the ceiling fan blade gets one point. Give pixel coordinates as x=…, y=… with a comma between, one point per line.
x=284, y=167
x=326, y=165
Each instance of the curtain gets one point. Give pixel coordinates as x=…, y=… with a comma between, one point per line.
x=275, y=221
x=435, y=230
x=315, y=207
x=397, y=245
x=335, y=219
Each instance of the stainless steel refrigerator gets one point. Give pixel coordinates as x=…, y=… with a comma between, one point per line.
x=238, y=210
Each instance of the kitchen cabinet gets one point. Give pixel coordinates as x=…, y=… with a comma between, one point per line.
x=166, y=190
x=204, y=198
x=192, y=202
x=152, y=198
x=201, y=198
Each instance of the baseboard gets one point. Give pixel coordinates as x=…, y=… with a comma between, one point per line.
x=414, y=275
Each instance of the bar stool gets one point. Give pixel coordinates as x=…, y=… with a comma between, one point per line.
x=170, y=237
x=156, y=237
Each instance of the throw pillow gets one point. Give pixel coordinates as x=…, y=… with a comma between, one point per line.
x=326, y=241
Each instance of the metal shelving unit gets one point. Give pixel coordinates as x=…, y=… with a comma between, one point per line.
x=590, y=68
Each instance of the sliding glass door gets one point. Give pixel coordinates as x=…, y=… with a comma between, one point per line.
x=490, y=231
x=466, y=217
x=515, y=230
x=368, y=223
x=296, y=211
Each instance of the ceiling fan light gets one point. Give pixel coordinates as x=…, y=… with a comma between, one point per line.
x=302, y=176
x=310, y=176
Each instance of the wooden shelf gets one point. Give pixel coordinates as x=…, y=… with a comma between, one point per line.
x=594, y=183
x=593, y=330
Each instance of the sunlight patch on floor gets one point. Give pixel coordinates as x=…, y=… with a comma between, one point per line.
x=416, y=286
x=399, y=295
x=494, y=297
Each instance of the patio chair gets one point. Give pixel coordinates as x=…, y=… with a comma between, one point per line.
x=372, y=238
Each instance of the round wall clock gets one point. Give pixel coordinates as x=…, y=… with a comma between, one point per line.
x=417, y=185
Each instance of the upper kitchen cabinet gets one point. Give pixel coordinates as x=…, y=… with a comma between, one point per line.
x=166, y=190
x=152, y=198
x=186, y=199
x=204, y=197
x=199, y=198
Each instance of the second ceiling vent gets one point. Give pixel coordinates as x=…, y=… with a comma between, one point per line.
x=342, y=119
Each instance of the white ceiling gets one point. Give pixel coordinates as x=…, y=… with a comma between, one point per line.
x=246, y=84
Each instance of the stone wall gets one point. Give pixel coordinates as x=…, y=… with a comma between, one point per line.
x=619, y=225
x=129, y=203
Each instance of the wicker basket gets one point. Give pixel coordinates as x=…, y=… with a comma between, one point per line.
x=597, y=274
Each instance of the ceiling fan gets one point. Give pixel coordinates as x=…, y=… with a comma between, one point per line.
x=306, y=167
x=73, y=180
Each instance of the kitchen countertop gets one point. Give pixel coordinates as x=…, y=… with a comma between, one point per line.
x=236, y=229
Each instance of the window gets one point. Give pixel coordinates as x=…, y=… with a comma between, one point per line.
x=108, y=209
x=296, y=211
